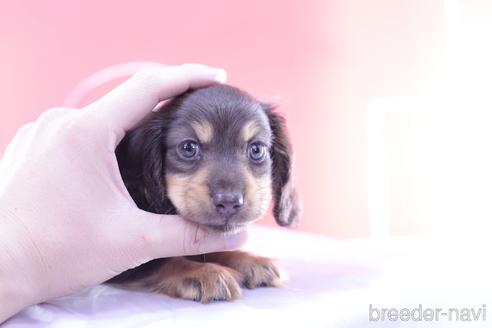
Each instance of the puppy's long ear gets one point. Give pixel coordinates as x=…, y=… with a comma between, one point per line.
x=286, y=208
x=141, y=156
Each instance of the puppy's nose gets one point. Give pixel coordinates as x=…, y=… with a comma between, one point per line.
x=228, y=203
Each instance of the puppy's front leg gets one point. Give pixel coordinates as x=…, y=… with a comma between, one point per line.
x=257, y=271
x=182, y=278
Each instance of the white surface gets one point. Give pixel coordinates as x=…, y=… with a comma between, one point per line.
x=331, y=284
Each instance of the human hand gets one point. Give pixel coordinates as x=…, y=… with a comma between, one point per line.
x=66, y=219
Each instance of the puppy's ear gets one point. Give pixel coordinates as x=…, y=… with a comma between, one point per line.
x=286, y=209
x=141, y=156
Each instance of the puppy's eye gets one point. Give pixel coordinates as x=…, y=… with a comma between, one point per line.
x=189, y=149
x=257, y=152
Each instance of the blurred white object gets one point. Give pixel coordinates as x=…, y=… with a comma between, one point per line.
x=378, y=172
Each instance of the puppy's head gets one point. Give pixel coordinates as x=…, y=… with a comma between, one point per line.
x=215, y=154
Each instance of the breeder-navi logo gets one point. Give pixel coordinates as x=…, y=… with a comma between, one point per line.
x=427, y=314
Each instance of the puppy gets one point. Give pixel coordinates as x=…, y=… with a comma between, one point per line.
x=215, y=156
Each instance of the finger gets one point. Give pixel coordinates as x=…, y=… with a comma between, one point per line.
x=171, y=235
x=131, y=101
x=17, y=147
x=53, y=114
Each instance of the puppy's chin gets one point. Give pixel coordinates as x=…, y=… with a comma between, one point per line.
x=227, y=228
x=215, y=224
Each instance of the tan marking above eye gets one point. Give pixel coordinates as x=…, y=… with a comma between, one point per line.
x=249, y=130
x=204, y=131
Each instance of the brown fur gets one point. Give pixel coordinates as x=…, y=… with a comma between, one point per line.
x=204, y=131
x=226, y=127
x=258, y=192
x=219, y=278
x=257, y=271
x=188, y=193
x=249, y=130
x=183, y=278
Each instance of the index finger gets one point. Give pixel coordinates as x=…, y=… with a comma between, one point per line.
x=132, y=100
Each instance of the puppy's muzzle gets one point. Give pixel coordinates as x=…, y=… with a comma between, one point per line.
x=228, y=204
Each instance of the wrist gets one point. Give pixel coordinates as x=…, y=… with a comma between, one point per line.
x=13, y=298
x=15, y=290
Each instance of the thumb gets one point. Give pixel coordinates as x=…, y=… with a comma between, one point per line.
x=132, y=100
x=171, y=235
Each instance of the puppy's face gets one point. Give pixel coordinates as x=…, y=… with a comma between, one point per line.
x=217, y=159
x=215, y=155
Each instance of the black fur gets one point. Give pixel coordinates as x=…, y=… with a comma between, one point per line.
x=281, y=154
x=142, y=153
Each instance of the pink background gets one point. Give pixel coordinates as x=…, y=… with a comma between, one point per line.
x=325, y=59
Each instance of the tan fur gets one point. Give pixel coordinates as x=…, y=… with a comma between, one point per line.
x=258, y=192
x=256, y=270
x=216, y=276
x=249, y=130
x=204, y=131
x=219, y=278
x=288, y=202
x=182, y=278
x=189, y=193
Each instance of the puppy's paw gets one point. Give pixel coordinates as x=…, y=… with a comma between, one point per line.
x=206, y=282
x=257, y=271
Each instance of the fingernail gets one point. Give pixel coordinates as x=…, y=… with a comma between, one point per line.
x=236, y=240
x=221, y=75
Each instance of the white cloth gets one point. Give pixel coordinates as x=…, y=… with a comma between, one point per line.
x=331, y=284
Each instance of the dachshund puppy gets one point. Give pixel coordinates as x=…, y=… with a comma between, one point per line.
x=215, y=156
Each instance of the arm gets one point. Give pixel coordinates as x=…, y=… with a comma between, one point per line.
x=66, y=219
x=14, y=291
